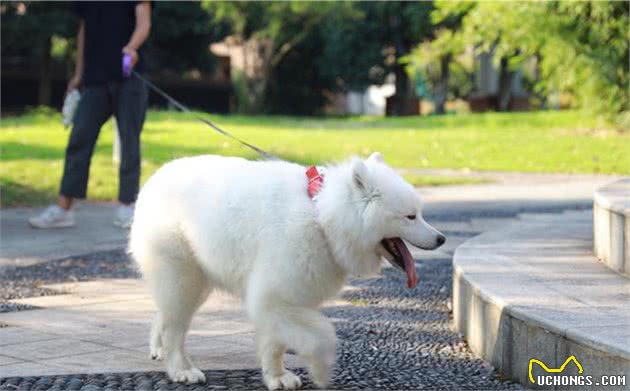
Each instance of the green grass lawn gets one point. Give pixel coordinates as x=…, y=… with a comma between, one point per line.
x=571, y=142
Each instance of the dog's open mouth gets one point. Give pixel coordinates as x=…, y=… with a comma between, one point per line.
x=401, y=258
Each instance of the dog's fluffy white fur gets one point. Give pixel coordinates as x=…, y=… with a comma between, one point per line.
x=250, y=228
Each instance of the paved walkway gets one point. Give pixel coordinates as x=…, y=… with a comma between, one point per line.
x=21, y=245
x=102, y=326
x=535, y=289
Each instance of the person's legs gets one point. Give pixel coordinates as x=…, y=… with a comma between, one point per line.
x=65, y=202
x=94, y=109
x=129, y=109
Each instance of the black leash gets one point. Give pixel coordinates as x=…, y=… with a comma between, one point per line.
x=185, y=109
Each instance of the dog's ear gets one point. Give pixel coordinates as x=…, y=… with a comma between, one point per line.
x=360, y=174
x=376, y=157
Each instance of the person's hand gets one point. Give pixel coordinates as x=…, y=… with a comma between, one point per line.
x=73, y=84
x=133, y=53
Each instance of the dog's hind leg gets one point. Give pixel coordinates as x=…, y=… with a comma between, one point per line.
x=155, y=341
x=179, y=287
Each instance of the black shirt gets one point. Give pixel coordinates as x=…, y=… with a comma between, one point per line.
x=108, y=28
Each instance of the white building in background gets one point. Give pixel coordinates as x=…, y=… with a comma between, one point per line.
x=369, y=102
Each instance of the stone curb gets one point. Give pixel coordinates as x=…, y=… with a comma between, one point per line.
x=502, y=304
x=611, y=220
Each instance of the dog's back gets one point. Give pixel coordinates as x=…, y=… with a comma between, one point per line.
x=218, y=211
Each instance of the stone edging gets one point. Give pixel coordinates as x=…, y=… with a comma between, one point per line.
x=611, y=225
x=508, y=321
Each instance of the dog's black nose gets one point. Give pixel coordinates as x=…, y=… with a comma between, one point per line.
x=440, y=240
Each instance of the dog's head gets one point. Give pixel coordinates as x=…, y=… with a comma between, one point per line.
x=385, y=211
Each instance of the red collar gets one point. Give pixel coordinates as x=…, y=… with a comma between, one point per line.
x=315, y=181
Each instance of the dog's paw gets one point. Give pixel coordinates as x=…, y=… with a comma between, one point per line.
x=321, y=383
x=188, y=376
x=320, y=373
x=287, y=381
x=156, y=353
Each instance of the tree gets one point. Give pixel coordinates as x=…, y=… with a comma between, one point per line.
x=373, y=44
x=582, y=47
x=273, y=30
x=28, y=29
x=42, y=33
x=343, y=46
x=180, y=37
x=408, y=23
x=439, y=62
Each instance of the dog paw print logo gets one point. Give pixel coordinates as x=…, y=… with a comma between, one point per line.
x=553, y=370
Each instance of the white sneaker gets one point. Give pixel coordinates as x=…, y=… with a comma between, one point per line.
x=53, y=217
x=123, y=216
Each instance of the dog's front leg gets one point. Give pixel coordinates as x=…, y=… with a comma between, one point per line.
x=319, y=351
x=270, y=353
x=304, y=330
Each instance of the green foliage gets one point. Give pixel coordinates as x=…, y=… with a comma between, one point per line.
x=181, y=33
x=60, y=47
x=241, y=92
x=284, y=35
x=362, y=47
x=582, y=47
x=425, y=62
x=27, y=26
x=240, y=17
x=313, y=48
x=351, y=56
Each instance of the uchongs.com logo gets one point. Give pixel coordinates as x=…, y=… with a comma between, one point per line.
x=554, y=376
x=545, y=368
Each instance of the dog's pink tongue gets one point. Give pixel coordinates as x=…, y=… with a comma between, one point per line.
x=410, y=266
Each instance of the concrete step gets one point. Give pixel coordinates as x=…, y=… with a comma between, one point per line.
x=611, y=214
x=533, y=290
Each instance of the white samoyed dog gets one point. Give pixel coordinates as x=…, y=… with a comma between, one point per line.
x=251, y=229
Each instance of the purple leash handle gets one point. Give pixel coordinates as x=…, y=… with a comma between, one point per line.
x=126, y=65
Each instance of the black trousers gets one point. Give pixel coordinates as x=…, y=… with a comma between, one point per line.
x=127, y=101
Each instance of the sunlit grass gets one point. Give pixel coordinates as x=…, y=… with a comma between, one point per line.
x=571, y=142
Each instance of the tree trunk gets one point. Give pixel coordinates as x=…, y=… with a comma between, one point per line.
x=442, y=90
x=542, y=97
x=45, y=82
x=257, y=91
x=504, y=94
x=258, y=83
x=404, y=101
x=402, y=82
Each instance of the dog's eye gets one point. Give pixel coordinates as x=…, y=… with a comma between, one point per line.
x=411, y=217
